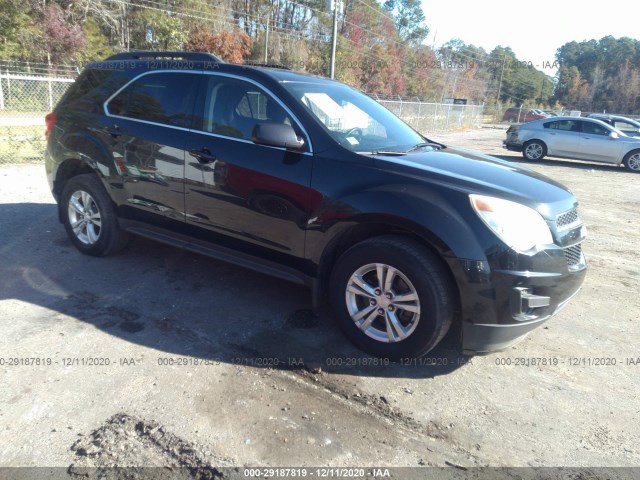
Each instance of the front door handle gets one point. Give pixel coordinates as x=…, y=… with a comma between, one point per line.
x=203, y=155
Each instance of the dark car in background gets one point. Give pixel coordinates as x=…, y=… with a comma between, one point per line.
x=518, y=115
x=311, y=181
x=626, y=125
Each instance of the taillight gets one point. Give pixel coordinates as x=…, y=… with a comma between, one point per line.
x=50, y=122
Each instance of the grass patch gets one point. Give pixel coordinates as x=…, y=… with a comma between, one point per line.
x=21, y=144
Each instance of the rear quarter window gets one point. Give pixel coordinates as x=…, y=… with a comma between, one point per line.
x=91, y=90
x=166, y=98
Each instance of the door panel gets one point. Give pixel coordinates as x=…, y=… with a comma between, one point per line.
x=257, y=194
x=147, y=130
x=563, y=138
x=597, y=145
x=150, y=160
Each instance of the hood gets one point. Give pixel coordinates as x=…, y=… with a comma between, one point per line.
x=630, y=137
x=473, y=172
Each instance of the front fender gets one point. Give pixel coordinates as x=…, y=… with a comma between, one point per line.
x=441, y=221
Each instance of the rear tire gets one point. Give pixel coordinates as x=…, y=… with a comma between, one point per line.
x=89, y=217
x=392, y=297
x=534, y=150
x=632, y=161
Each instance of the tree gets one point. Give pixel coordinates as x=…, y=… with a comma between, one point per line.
x=229, y=46
x=156, y=30
x=600, y=74
x=370, y=53
x=39, y=32
x=14, y=20
x=97, y=44
x=409, y=19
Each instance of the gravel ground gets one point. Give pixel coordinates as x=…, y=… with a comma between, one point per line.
x=158, y=357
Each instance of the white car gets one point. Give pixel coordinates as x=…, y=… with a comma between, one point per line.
x=574, y=137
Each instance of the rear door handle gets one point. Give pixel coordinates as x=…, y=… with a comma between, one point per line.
x=203, y=155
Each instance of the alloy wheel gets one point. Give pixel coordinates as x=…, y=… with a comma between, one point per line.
x=634, y=162
x=533, y=151
x=84, y=217
x=382, y=302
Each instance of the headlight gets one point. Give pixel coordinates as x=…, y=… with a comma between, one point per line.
x=520, y=227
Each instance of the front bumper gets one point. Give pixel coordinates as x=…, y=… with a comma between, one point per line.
x=532, y=301
x=503, y=299
x=512, y=147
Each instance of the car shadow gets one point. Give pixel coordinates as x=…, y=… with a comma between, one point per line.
x=562, y=163
x=186, y=305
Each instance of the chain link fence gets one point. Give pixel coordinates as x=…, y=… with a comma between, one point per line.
x=26, y=97
x=433, y=117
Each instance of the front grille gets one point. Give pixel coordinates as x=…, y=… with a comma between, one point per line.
x=566, y=219
x=573, y=255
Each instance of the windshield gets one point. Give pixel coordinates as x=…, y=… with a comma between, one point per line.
x=354, y=120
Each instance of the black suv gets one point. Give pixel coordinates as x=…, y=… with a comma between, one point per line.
x=311, y=181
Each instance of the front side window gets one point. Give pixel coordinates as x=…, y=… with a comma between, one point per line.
x=165, y=98
x=234, y=107
x=594, y=129
x=354, y=120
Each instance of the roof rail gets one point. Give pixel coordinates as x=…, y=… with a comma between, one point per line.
x=137, y=55
x=250, y=63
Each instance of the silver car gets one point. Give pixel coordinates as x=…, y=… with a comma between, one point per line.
x=574, y=137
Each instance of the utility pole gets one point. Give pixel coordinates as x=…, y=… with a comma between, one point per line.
x=266, y=41
x=332, y=71
x=541, y=90
x=504, y=60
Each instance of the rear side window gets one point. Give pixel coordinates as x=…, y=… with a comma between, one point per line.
x=91, y=89
x=565, y=125
x=165, y=97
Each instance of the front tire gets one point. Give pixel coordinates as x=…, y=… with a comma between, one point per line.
x=89, y=217
x=392, y=297
x=534, y=150
x=632, y=161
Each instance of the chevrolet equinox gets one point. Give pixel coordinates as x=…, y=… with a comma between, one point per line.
x=311, y=181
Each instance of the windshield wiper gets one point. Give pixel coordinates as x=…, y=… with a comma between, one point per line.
x=384, y=152
x=436, y=146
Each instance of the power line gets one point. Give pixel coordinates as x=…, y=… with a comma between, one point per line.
x=225, y=22
x=297, y=34
x=202, y=16
x=378, y=11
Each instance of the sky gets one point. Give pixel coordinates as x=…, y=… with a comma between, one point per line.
x=533, y=29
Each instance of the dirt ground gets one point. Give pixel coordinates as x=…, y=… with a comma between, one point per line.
x=159, y=357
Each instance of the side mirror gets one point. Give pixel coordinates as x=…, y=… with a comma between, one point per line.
x=276, y=135
x=614, y=136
